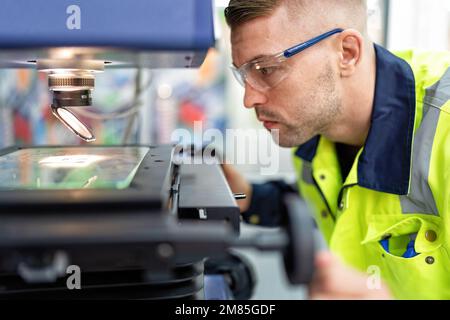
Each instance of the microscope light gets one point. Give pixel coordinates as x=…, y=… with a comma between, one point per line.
x=71, y=81
x=73, y=123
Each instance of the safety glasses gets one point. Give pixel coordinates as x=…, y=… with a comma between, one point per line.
x=265, y=73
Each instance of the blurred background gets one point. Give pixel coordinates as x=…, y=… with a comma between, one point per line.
x=145, y=106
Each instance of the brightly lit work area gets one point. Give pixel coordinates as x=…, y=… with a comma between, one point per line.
x=224, y=150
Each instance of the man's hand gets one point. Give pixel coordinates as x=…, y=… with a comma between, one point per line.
x=238, y=184
x=335, y=281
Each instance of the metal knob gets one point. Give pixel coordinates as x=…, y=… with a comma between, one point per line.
x=239, y=196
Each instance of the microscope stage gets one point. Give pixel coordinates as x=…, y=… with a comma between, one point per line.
x=70, y=168
x=85, y=175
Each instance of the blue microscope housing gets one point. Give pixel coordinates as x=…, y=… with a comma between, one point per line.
x=132, y=33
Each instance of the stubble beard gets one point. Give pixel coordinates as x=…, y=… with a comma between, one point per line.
x=324, y=105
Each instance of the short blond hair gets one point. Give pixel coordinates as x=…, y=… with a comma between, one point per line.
x=241, y=11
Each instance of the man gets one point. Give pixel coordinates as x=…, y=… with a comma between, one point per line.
x=371, y=132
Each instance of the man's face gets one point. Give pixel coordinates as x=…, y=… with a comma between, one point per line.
x=306, y=102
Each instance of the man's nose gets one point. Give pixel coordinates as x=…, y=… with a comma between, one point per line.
x=253, y=97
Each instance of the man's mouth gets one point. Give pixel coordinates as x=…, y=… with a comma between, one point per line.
x=267, y=120
x=269, y=125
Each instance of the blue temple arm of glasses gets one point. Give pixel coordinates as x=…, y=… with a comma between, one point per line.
x=302, y=46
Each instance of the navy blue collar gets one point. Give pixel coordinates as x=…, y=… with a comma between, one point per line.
x=384, y=164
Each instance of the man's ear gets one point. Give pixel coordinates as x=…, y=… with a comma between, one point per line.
x=351, y=49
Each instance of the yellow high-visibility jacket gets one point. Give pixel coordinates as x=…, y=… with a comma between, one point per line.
x=391, y=213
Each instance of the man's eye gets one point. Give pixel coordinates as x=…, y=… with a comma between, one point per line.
x=265, y=71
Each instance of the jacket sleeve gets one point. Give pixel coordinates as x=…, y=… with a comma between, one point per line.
x=267, y=207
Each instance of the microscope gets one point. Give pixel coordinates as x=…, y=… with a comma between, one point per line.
x=132, y=219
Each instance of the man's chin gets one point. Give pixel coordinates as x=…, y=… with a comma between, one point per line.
x=288, y=141
x=283, y=143
x=287, y=144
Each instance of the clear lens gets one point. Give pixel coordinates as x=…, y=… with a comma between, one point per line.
x=262, y=74
x=238, y=76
